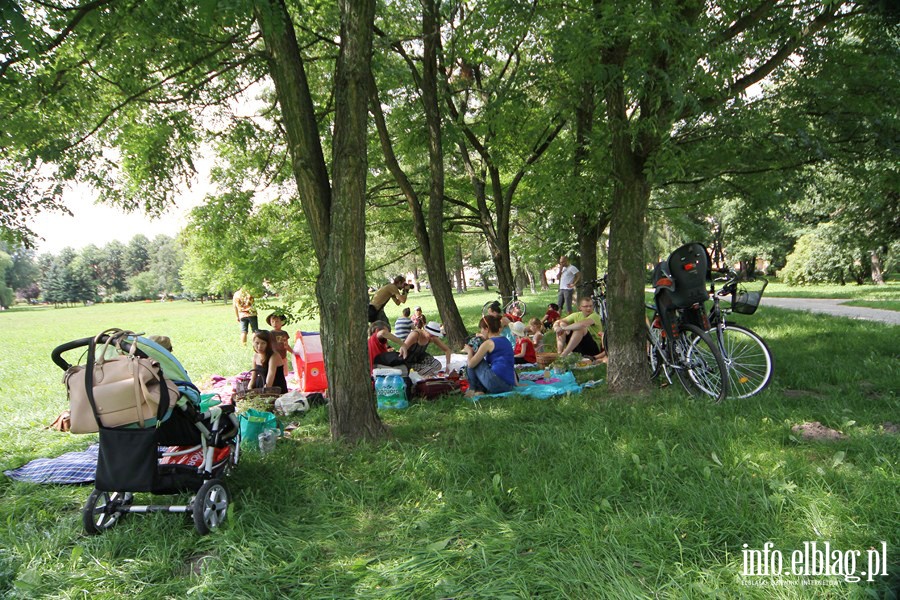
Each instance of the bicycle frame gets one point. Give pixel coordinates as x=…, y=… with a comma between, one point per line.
x=749, y=361
x=598, y=299
x=685, y=349
x=664, y=351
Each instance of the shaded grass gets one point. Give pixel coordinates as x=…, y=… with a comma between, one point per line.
x=580, y=497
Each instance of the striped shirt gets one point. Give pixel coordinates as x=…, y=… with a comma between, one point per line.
x=402, y=327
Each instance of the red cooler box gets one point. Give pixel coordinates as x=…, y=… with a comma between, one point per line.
x=309, y=362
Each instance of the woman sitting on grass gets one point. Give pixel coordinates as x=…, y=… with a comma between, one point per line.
x=380, y=353
x=416, y=346
x=491, y=368
x=267, y=369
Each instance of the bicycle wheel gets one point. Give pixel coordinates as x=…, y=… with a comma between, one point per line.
x=516, y=307
x=747, y=358
x=699, y=364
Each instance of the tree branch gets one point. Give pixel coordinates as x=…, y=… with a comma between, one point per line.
x=82, y=12
x=821, y=20
x=743, y=22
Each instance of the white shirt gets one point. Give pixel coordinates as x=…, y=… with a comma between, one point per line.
x=567, y=276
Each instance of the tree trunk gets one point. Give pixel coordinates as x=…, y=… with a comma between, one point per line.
x=628, y=370
x=336, y=215
x=460, y=270
x=589, y=231
x=877, y=268
x=545, y=285
x=588, y=227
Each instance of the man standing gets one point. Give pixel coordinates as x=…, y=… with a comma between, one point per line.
x=569, y=276
x=245, y=313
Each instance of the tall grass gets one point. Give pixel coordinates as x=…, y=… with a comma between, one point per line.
x=584, y=496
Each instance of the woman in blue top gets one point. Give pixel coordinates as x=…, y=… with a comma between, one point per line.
x=491, y=368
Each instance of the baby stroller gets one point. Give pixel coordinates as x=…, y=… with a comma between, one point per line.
x=183, y=449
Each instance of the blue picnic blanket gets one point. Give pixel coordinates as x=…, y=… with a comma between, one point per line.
x=71, y=467
x=531, y=384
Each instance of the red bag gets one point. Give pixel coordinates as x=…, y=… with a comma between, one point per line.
x=430, y=389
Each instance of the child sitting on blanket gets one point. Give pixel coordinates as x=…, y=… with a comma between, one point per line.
x=524, y=352
x=536, y=329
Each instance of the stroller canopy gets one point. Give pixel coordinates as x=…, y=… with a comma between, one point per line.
x=171, y=368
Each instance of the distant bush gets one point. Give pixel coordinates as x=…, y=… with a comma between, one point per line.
x=821, y=257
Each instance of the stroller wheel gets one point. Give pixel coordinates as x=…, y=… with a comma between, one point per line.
x=209, y=506
x=101, y=511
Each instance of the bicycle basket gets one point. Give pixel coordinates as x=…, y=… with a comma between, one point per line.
x=747, y=296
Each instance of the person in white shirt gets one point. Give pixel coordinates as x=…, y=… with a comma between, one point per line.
x=569, y=276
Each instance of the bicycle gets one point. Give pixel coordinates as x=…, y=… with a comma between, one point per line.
x=748, y=359
x=598, y=299
x=690, y=353
x=514, y=307
x=677, y=341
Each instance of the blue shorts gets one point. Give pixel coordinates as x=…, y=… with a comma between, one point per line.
x=249, y=322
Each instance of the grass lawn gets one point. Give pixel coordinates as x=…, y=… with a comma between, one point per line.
x=888, y=294
x=882, y=304
x=585, y=496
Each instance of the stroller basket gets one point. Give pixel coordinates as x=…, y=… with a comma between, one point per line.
x=747, y=296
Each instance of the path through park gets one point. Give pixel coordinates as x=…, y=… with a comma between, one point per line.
x=835, y=308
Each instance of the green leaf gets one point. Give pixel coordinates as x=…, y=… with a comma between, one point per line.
x=838, y=458
x=438, y=546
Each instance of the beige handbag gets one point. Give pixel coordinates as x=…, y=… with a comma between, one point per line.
x=120, y=390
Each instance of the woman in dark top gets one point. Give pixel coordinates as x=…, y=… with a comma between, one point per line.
x=267, y=364
x=491, y=368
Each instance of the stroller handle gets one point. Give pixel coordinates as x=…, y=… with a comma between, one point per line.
x=56, y=354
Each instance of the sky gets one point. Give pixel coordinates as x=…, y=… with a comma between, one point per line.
x=98, y=224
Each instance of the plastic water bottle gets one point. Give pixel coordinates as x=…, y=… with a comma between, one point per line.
x=399, y=389
x=267, y=441
x=383, y=391
x=379, y=388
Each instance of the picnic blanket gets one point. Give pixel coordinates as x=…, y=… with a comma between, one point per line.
x=224, y=386
x=533, y=385
x=71, y=467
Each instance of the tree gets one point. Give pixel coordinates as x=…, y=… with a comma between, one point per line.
x=662, y=67
x=334, y=209
x=6, y=292
x=68, y=279
x=166, y=259
x=494, y=82
x=137, y=255
x=428, y=223
x=24, y=271
x=144, y=286
x=112, y=267
x=146, y=89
